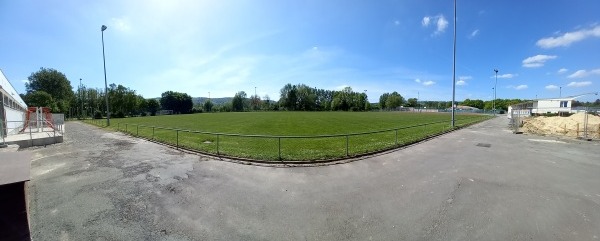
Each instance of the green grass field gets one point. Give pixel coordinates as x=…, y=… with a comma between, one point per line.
x=291, y=136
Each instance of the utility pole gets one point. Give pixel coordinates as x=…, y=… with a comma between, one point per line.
x=81, y=96
x=105, y=83
x=454, y=69
x=495, y=86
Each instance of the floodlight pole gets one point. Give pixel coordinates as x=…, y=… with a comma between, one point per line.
x=560, y=92
x=454, y=68
x=81, y=97
x=495, y=86
x=105, y=83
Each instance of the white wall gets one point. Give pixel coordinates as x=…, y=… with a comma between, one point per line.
x=551, y=105
x=14, y=121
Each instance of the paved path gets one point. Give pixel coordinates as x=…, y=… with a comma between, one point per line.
x=106, y=186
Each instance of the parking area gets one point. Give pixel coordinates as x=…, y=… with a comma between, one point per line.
x=478, y=183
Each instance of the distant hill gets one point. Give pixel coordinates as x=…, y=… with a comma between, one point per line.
x=216, y=101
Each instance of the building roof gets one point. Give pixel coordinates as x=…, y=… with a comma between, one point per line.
x=10, y=91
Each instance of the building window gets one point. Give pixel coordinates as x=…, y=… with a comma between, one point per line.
x=563, y=103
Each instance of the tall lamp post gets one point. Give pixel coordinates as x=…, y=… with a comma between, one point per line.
x=81, y=96
x=495, y=86
x=105, y=84
x=454, y=68
x=560, y=92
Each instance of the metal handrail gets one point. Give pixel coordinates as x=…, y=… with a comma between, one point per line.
x=176, y=142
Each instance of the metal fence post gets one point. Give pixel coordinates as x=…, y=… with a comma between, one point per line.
x=346, y=145
x=30, y=137
x=137, y=131
x=217, y=144
x=396, y=136
x=279, y=148
x=585, y=123
x=177, y=131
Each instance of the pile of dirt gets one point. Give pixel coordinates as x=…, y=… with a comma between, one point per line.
x=572, y=126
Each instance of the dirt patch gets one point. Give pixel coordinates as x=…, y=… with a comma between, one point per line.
x=572, y=126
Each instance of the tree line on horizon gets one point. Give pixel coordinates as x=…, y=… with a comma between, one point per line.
x=50, y=88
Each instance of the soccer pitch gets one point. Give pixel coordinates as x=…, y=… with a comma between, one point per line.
x=291, y=136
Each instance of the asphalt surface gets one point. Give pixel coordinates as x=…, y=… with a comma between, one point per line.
x=478, y=183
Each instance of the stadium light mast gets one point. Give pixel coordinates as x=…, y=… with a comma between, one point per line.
x=454, y=69
x=495, y=86
x=105, y=83
x=560, y=92
x=81, y=96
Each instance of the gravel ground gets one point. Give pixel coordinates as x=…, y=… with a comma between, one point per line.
x=478, y=183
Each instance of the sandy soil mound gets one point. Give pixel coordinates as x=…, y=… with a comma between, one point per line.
x=572, y=126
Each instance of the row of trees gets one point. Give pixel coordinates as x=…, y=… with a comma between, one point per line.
x=303, y=97
x=179, y=103
x=51, y=88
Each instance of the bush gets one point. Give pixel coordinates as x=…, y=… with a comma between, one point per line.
x=97, y=115
x=143, y=114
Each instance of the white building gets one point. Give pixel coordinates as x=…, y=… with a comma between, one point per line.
x=544, y=106
x=12, y=107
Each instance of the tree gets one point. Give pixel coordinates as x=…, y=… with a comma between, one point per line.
x=394, y=100
x=54, y=83
x=238, y=101
x=411, y=102
x=288, y=97
x=382, y=99
x=153, y=106
x=208, y=106
x=178, y=102
x=256, y=102
x=39, y=99
x=142, y=104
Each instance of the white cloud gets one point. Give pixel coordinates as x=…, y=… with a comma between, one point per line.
x=425, y=21
x=440, y=23
x=425, y=83
x=551, y=87
x=474, y=33
x=428, y=83
x=505, y=76
x=579, y=84
x=562, y=71
x=341, y=87
x=462, y=80
x=25, y=81
x=121, y=24
x=537, y=61
x=569, y=38
x=518, y=87
x=521, y=87
x=583, y=73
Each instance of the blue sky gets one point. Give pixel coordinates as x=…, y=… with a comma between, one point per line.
x=380, y=46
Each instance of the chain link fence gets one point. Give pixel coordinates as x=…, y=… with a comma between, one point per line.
x=291, y=148
x=578, y=122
